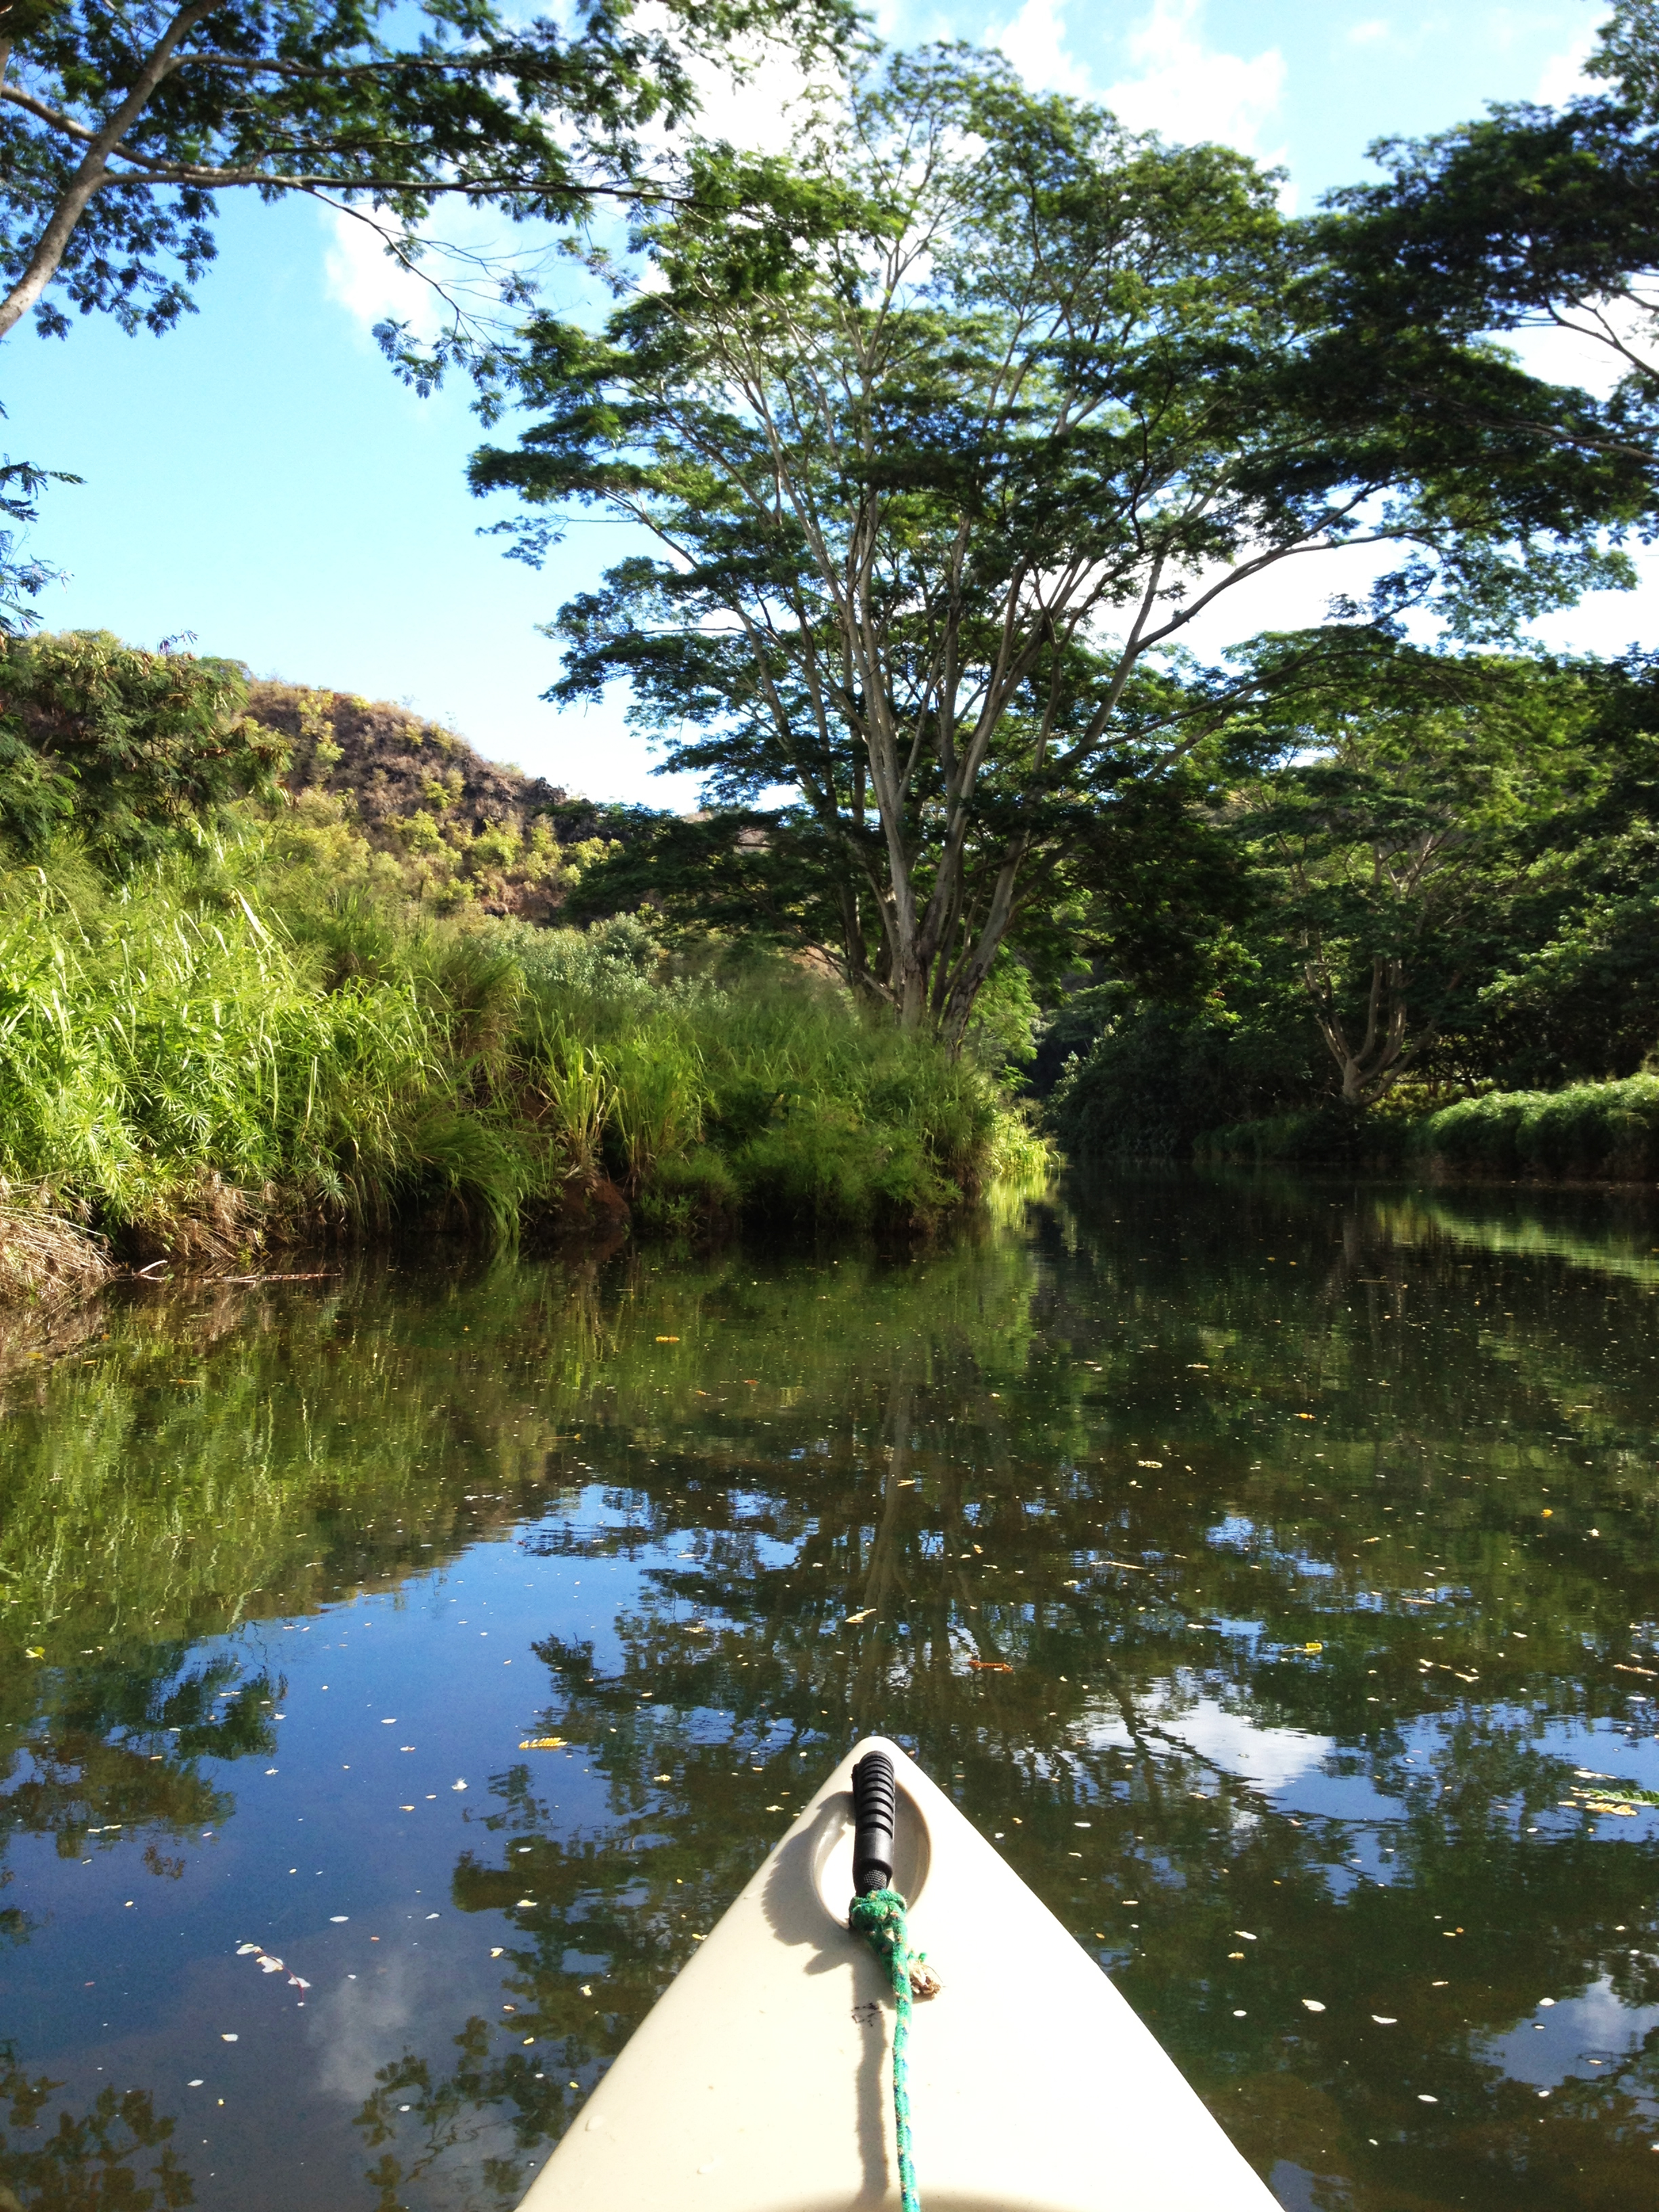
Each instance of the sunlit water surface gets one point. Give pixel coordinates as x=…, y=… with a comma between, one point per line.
x=398, y=1672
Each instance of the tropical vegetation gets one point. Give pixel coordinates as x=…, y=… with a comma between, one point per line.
x=230, y=1017
x=946, y=430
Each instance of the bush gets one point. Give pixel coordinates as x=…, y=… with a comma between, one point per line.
x=1595, y=1129
x=1159, y=1076
x=238, y=1041
x=136, y=750
x=1333, y=1136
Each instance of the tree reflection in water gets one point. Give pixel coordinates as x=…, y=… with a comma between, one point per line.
x=1316, y=1528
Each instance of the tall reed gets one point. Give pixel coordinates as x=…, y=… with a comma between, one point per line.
x=214, y=1048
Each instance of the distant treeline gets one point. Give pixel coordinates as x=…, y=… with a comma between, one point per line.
x=1435, y=884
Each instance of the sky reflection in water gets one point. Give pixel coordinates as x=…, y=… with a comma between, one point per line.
x=1316, y=1526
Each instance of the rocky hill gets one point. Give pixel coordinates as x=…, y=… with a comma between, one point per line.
x=464, y=830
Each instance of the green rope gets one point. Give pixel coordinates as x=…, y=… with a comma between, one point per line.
x=878, y=1914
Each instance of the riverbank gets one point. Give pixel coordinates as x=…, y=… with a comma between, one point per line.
x=242, y=1048
x=1589, y=1131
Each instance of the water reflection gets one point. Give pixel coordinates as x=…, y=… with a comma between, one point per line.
x=1313, y=1529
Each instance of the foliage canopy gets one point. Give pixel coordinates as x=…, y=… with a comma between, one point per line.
x=117, y=130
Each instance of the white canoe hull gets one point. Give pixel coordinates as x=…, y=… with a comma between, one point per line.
x=761, y=2082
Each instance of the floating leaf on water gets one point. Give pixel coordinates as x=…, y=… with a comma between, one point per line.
x=991, y=1666
x=497, y=1953
x=1385, y=2020
x=853, y=1618
x=1312, y=2004
x=541, y=1743
x=668, y=1340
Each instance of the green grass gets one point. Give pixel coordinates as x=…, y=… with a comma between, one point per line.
x=237, y=1043
x=1590, y=1131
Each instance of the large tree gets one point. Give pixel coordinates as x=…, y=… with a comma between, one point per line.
x=947, y=447
x=118, y=126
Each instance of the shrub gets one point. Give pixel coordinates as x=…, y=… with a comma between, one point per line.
x=1594, y=1129
x=135, y=749
x=236, y=1041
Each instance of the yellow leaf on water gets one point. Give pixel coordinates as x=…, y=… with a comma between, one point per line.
x=668, y=1340
x=543, y=1743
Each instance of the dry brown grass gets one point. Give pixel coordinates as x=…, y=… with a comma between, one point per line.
x=43, y=1256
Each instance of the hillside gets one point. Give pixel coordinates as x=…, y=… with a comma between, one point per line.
x=464, y=830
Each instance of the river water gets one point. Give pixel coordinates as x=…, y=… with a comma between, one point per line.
x=399, y=1673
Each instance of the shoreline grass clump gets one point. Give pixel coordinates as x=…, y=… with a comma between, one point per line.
x=1599, y=1131
x=1588, y=1132
x=215, y=1051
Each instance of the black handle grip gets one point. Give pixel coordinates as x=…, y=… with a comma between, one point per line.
x=875, y=1808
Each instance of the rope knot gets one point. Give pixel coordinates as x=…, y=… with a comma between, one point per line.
x=879, y=1917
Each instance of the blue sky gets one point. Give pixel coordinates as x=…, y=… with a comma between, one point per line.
x=258, y=478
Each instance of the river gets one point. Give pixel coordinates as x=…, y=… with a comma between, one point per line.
x=399, y=1672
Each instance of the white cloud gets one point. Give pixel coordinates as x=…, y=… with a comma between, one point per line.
x=355, y=2027
x=1271, y=1758
x=1188, y=90
x=361, y=278
x=761, y=108
x=1371, y=33
x=1562, y=77
x=1035, y=42
x=468, y=250
x=372, y=286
